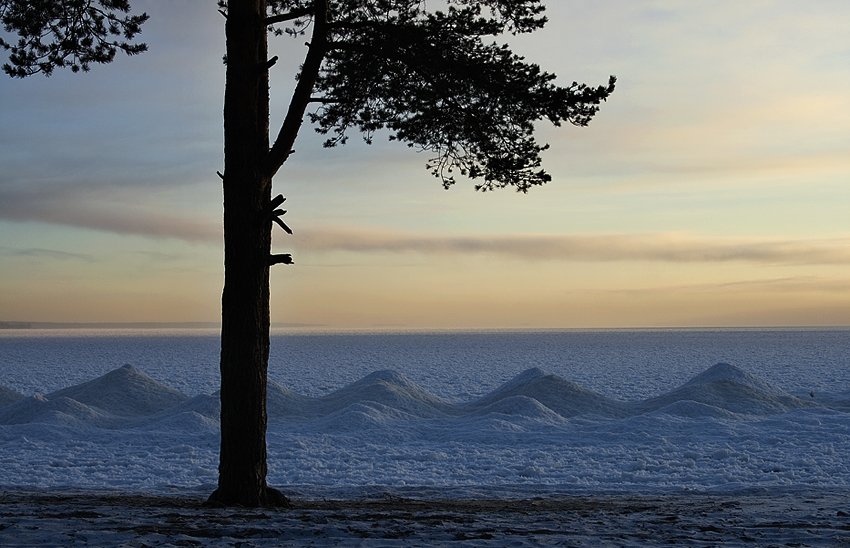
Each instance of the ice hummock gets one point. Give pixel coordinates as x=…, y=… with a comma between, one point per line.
x=386, y=388
x=563, y=397
x=728, y=388
x=122, y=393
x=59, y=410
x=518, y=406
x=125, y=391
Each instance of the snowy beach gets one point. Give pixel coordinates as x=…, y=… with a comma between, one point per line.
x=727, y=434
x=746, y=519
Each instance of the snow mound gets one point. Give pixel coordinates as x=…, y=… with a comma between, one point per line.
x=729, y=388
x=206, y=405
x=283, y=402
x=126, y=397
x=522, y=407
x=388, y=388
x=524, y=378
x=110, y=401
x=183, y=421
x=565, y=398
x=724, y=372
x=361, y=416
x=280, y=402
x=8, y=397
x=59, y=411
x=124, y=392
x=694, y=410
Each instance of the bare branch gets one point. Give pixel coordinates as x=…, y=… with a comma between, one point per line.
x=285, y=258
x=276, y=201
x=278, y=213
x=282, y=225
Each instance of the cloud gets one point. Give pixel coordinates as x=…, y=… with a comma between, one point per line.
x=676, y=248
x=77, y=206
x=44, y=253
x=745, y=287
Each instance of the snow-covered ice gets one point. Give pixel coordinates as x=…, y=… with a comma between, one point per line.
x=722, y=430
x=620, y=438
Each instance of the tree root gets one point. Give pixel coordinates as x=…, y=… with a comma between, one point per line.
x=267, y=497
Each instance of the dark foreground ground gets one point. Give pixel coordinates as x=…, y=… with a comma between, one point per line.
x=94, y=519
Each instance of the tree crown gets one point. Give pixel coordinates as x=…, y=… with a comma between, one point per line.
x=435, y=79
x=71, y=33
x=438, y=81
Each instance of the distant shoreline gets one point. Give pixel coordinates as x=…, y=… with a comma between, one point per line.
x=22, y=325
x=105, y=325
x=124, y=325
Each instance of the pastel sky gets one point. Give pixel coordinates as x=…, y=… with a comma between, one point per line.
x=713, y=189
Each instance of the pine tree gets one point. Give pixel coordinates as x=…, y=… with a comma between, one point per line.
x=436, y=80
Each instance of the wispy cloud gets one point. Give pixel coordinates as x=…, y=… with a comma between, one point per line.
x=678, y=248
x=32, y=252
x=748, y=287
x=75, y=207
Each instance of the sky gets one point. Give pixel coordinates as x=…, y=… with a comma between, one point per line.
x=712, y=189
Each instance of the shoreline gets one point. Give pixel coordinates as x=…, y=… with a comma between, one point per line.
x=812, y=518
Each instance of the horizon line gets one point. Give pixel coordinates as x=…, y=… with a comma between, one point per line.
x=35, y=325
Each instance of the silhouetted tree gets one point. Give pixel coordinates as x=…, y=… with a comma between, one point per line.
x=433, y=79
x=72, y=33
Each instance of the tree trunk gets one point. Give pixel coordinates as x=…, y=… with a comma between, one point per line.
x=247, y=246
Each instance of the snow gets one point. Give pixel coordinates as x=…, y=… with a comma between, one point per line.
x=123, y=392
x=429, y=439
x=565, y=398
x=728, y=388
x=458, y=367
x=721, y=431
x=386, y=388
x=386, y=519
x=8, y=396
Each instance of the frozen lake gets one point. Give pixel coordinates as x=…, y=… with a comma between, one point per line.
x=471, y=414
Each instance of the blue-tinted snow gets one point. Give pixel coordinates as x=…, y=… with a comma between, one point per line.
x=723, y=428
x=626, y=365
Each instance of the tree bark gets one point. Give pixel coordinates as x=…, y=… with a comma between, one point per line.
x=247, y=246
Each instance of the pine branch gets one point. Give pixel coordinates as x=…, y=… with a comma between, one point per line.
x=282, y=147
x=289, y=16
